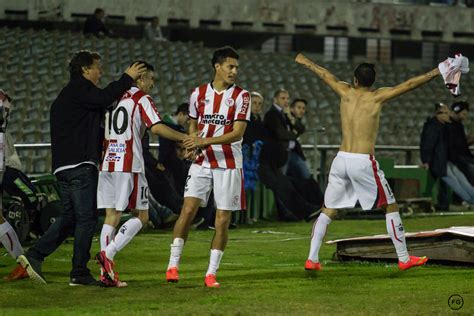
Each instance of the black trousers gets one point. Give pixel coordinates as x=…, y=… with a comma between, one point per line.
x=288, y=196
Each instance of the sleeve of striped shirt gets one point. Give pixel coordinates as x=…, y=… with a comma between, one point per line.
x=148, y=111
x=242, y=112
x=193, y=100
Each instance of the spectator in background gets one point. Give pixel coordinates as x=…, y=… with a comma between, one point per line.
x=153, y=31
x=168, y=151
x=296, y=160
x=76, y=141
x=434, y=155
x=458, y=151
x=434, y=150
x=255, y=128
x=280, y=124
x=160, y=181
x=291, y=205
x=297, y=168
x=95, y=25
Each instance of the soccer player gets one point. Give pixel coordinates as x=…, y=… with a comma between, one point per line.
x=122, y=183
x=355, y=174
x=219, y=112
x=8, y=236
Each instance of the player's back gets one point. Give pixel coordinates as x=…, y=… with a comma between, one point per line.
x=124, y=127
x=360, y=116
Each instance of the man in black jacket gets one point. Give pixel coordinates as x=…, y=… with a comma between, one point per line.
x=168, y=158
x=76, y=144
x=297, y=166
x=459, y=153
x=277, y=138
x=280, y=124
x=435, y=155
x=434, y=149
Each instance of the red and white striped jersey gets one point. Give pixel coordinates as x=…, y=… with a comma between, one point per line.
x=124, y=128
x=216, y=113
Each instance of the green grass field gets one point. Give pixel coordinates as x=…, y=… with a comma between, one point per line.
x=260, y=274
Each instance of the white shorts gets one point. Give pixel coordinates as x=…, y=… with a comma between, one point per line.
x=357, y=177
x=122, y=190
x=228, y=185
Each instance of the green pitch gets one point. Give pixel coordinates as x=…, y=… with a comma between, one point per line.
x=261, y=273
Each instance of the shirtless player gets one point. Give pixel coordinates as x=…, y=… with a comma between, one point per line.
x=355, y=174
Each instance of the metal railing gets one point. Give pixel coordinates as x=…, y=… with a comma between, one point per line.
x=320, y=153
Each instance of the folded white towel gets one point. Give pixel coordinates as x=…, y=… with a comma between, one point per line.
x=451, y=70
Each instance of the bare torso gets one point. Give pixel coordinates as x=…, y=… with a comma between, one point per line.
x=360, y=117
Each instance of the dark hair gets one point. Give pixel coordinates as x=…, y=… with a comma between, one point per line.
x=459, y=106
x=98, y=10
x=298, y=100
x=82, y=58
x=222, y=53
x=279, y=91
x=365, y=74
x=182, y=108
x=148, y=66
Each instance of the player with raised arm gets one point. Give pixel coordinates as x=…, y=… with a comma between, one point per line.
x=122, y=183
x=355, y=174
x=219, y=113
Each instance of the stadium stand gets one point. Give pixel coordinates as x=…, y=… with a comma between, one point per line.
x=33, y=70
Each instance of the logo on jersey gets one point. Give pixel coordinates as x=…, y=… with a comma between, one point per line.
x=245, y=105
x=116, y=148
x=229, y=102
x=215, y=119
x=112, y=158
x=204, y=101
x=236, y=200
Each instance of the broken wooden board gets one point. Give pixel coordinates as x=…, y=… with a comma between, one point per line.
x=454, y=244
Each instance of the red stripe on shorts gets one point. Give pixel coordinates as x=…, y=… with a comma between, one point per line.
x=382, y=198
x=132, y=201
x=243, y=197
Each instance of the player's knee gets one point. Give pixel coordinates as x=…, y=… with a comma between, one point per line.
x=331, y=213
x=112, y=217
x=391, y=208
x=188, y=211
x=142, y=216
x=223, y=220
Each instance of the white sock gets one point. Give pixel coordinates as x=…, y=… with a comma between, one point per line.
x=214, y=261
x=319, y=231
x=175, y=253
x=9, y=239
x=106, y=236
x=397, y=234
x=125, y=234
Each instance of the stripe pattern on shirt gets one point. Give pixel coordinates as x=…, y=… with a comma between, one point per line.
x=216, y=113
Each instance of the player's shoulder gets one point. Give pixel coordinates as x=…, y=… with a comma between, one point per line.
x=241, y=91
x=141, y=96
x=202, y=87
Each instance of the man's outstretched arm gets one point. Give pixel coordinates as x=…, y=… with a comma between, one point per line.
x=385, y=94
x=339, y=87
